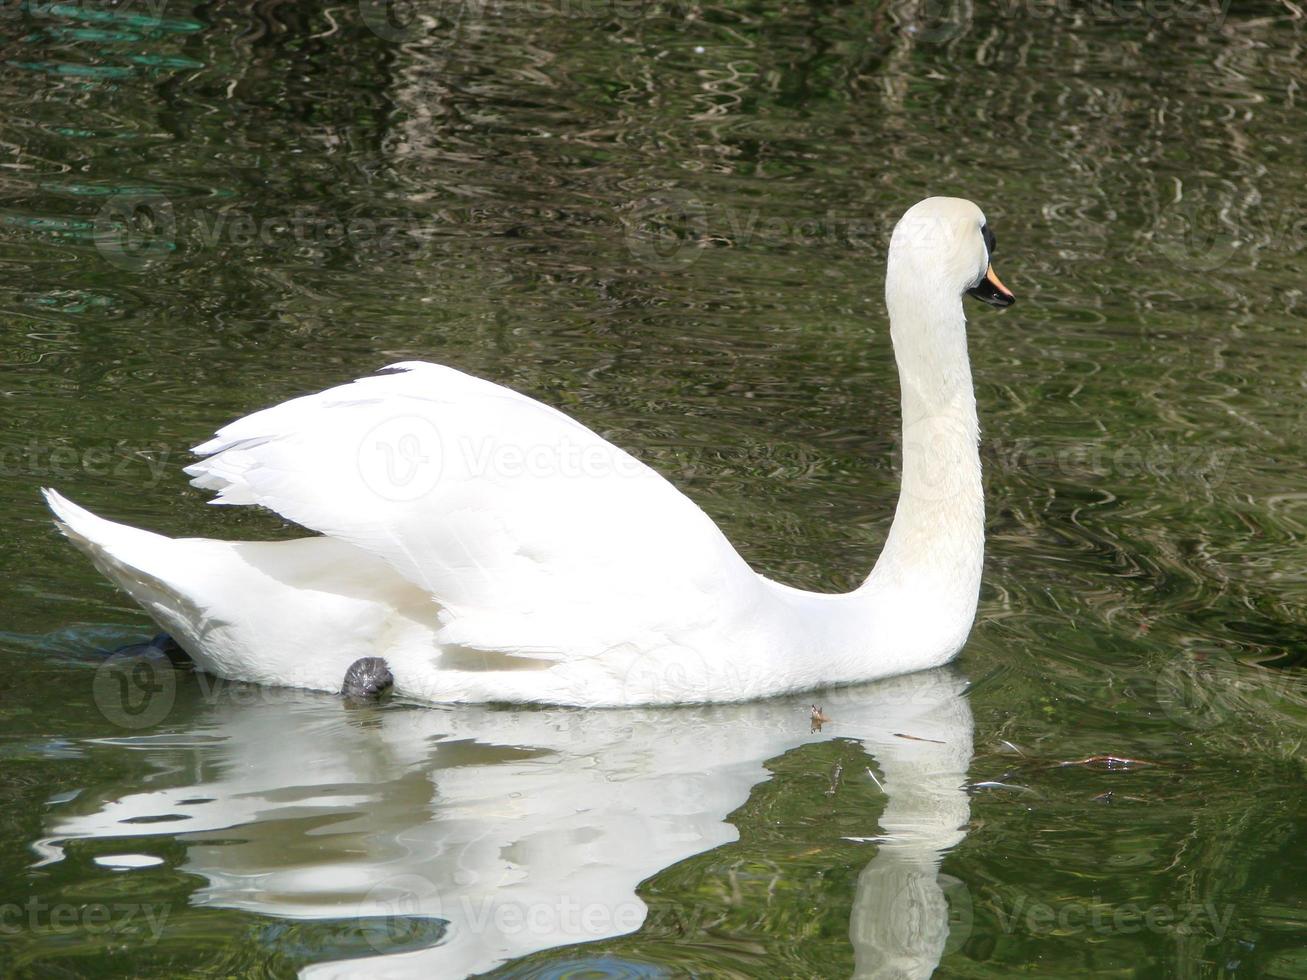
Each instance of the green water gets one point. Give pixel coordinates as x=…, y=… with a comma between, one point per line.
x=669, y=219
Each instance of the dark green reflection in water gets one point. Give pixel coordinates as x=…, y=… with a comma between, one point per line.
x=669, y=219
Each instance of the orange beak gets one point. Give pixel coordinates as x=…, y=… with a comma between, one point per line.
x=992, y=291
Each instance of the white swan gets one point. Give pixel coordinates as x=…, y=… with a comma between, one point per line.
x=492, y=549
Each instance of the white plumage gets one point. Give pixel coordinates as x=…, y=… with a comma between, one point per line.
x=493, y=549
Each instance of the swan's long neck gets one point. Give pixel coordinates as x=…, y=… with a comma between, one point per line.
x=938, y=528
x=918, y=603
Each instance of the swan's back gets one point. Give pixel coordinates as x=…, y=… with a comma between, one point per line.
x=537, y=537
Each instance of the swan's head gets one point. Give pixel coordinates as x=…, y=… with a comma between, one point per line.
x=943, y=245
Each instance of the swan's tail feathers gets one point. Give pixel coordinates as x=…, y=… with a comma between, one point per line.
x=95, y=535
x=135, y=560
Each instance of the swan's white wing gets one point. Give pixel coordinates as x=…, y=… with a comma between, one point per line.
x=536, y=536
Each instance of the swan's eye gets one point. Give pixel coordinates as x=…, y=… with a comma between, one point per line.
x=991, y=243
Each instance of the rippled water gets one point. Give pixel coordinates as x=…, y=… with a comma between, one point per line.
x=669, y=219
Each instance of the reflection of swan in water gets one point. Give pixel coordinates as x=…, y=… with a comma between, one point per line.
x=524, y=830
x=901, y=915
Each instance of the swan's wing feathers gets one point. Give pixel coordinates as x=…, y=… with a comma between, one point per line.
x=536, y=536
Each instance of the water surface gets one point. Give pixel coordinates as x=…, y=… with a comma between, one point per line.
x=669, y=219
